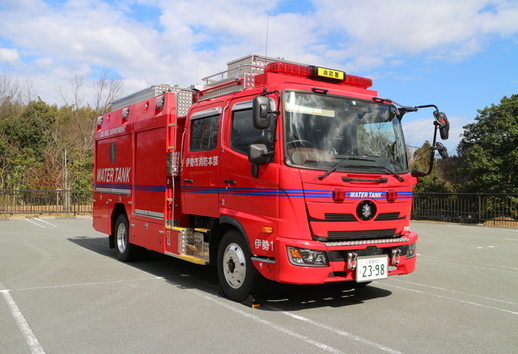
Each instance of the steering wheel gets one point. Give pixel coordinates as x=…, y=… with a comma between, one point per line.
x=302, y=143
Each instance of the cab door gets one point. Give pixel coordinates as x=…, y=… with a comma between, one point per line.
x=241, y=193
x=201, y=162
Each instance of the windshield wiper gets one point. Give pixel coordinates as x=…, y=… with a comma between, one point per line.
x=398, y=177
x=341, y=163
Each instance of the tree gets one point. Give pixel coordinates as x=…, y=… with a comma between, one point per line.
x=107, y=88
x=10, y=108
x=76, y=138
x=434, y=182
x=46, y=147
x=24, y=147
x=490, y=149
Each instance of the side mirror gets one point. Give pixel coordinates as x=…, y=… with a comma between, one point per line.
x=259, y=154
x=444, y=131
x=417, y=173
x=442, y=150
x=261, y=112
x=444, y=125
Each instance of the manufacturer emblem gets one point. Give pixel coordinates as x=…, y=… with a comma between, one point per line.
x=366, y=210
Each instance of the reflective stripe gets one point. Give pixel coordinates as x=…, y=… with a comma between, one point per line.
x=114, y=190
x=151, y=214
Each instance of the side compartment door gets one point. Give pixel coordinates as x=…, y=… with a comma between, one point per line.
x=200, y=163
x=150, y=172
x=113, y=178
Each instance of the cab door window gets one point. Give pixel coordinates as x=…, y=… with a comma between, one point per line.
x=243, y=132
x=204, y=133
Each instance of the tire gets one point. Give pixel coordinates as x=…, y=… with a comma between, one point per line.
x=125, y=251
x=238, y=277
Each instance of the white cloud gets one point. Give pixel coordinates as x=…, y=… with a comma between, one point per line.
x=190, y=39
x=10, y=56
x=445, y=28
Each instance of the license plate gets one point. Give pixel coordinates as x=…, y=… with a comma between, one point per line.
x=371, y=268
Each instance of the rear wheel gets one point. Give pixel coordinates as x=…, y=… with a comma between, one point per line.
x=126, y=252
x=237, y=275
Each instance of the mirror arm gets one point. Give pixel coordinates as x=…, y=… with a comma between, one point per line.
x=428, y=106
x=402, y=109
x=417, y=173
x=435, y=147
x=430, y=168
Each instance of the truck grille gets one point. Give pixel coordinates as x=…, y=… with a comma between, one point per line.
x=357, y=235
x=351, y=218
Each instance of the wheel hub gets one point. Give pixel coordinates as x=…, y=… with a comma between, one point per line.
x=121, y=238
x=234, y=266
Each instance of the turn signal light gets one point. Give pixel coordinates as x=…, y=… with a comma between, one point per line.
x=267, y=229
x=391, y=195
x=338, y=195
x=307, y=257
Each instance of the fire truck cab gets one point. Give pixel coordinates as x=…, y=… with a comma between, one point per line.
x=275, y=169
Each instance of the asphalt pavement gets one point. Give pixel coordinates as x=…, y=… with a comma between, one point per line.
x=62, y=290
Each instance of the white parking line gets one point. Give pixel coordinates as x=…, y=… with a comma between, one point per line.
x=40, y=223
x=455, y=292
x=482, y=226
x=30, y=338
x=275, y=326
x=468, y=263
x=341, y=333
x=452, y=299
x=89, y=284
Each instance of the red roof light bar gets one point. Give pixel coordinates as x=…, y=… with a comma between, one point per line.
x=312, y=72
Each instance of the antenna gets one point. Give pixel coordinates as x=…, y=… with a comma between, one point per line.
x=267, y=25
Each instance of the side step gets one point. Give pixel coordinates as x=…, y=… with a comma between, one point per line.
x=193, y=245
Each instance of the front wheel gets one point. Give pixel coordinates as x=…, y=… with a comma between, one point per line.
x=126, y=252
x=237, y=275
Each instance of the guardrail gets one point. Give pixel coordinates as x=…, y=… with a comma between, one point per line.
x=466, y=208
x=488, y=209
x=37, y=202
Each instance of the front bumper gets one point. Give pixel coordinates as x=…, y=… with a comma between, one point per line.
x=339, y=264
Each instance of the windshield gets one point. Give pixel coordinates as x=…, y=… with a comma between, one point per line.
x=321, y=131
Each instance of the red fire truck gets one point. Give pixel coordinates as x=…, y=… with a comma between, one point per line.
x=274, y=169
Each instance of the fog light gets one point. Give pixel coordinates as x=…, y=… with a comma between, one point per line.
x=305, y=257
x=411, y=251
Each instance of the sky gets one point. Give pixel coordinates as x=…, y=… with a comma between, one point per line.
x=460, y=55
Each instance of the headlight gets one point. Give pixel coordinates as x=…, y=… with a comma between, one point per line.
x=411, y=251
x=305, y=257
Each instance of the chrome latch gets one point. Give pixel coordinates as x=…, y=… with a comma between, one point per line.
x=396, y=256
x=352, y=258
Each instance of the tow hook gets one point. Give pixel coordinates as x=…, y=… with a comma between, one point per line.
x=352, y=258
x=396, y=256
